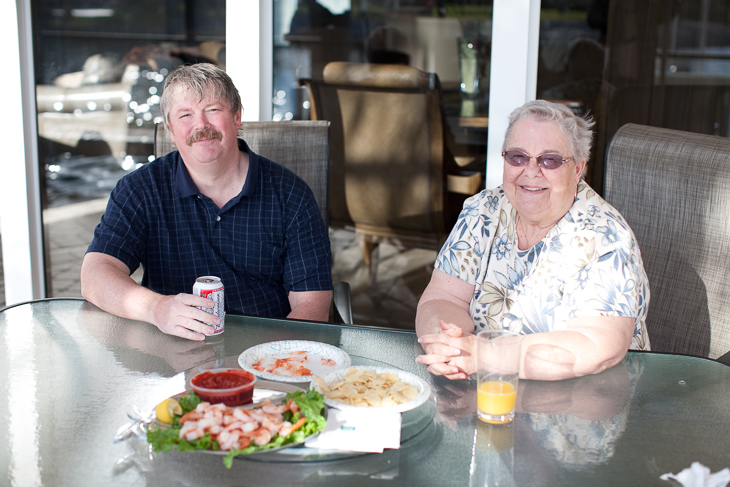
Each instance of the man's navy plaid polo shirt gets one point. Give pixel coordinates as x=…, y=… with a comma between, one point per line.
x=265, y=242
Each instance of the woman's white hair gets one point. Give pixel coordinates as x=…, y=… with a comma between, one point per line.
x=577, y=129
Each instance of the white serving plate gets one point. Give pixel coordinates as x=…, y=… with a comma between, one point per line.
x=316, y=353
x=424, y=390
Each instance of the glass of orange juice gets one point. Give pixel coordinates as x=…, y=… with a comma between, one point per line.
x=498, y=369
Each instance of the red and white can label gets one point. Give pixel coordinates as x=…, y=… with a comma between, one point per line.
x=211, y=287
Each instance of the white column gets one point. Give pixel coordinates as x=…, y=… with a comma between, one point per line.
x=513, y=75
x=249, y=55
x=20, y=199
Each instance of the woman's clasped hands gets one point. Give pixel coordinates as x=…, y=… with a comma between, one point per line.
x=450, y=352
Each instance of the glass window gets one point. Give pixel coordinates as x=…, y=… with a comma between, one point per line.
x=664, y=64
x=99, y=68
x=451, y=38
x=425, y=34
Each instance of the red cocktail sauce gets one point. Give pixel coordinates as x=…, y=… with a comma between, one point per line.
x=227, y=379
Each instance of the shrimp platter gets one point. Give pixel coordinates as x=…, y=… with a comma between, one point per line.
x=241, y=430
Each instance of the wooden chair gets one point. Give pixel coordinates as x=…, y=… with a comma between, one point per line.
x=303, y=147
x=672, y=188
x=390, y=166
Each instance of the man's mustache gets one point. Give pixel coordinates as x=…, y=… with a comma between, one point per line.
x=206, y=133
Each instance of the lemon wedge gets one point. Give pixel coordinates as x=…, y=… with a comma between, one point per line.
x=166, y=409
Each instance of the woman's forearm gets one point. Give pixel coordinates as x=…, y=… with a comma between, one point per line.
x=446, y=298
x=429, y=315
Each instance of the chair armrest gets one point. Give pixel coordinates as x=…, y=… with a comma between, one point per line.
x=342, y=303
x=464, y=183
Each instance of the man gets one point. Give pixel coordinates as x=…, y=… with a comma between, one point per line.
x=211, y=208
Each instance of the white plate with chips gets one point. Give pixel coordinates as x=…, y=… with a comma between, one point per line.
x=321, y=358
x=423, y=391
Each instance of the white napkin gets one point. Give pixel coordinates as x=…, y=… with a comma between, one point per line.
x=366, y=430
x=699, y=476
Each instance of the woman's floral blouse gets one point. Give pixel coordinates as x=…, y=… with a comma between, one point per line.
x=588, y=264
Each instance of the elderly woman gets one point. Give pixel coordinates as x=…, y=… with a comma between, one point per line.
x=544, y=256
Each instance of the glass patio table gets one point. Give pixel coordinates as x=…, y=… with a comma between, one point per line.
x=69, y=374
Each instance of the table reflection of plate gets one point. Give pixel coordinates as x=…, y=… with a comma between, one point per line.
x=321, y=359
x=424, y=391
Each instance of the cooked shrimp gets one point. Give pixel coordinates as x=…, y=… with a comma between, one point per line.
x=272, y=425
x=228, y=419
x=257, y=415
x=302, y=372
x=232, y=427
x=261, y=436
x=290, y=364
x=242, y=415
x=267, y=407
x=190, y=416
x=190, y=432
x=227, y=441
x=237, y=427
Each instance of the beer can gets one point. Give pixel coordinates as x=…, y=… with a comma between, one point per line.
x=211, y=287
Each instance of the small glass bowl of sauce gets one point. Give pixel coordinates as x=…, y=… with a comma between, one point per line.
x=232, y=387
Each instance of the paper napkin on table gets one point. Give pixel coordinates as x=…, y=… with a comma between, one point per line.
x=365, y=430
x=698, y=475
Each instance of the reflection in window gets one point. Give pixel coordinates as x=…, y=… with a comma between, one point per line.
x=308, y=34
x=664, y=64
x=99, y=73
